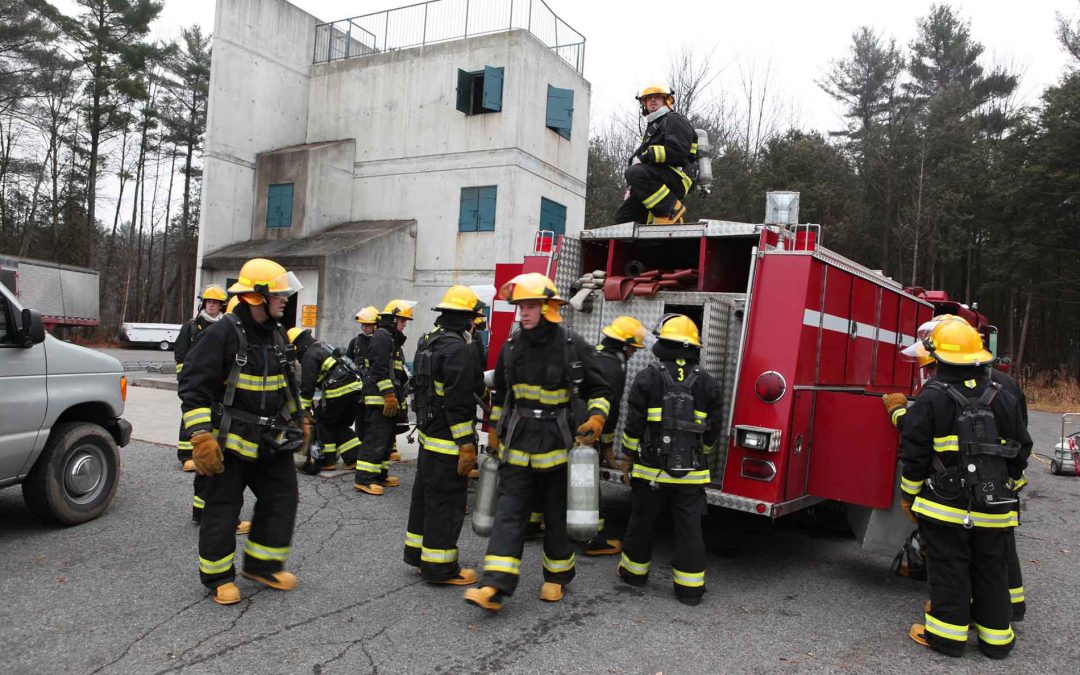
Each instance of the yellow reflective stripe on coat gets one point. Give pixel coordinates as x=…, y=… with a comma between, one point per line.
x=536, y=517
x=414, y=540
x=607, y=437
x=947, y=443
x=438, y=555
x=502, y=563
x=257, y=383
x=632, y=567
x=656, y=197
x=534, y=392
x=439, y=445
x=461, y=429
x=385, y=385
x=689, y=579
x=196, y=416
x=374, y=400
x=496, y=413
x=184, y=445
x=659, y=153
x=215, y=566
x=912, y=487
x=897, y=414
x=693, y=148
x=700, y=417
x=305, y=403
x=698, y=477
x=949, y=514
x=262, y=552
x=1016, y=595
x=242, y=446
x=328, y=363
x=440, y=388
x=348, y=445
x=686, y=180
x=179, y=367
x=949, y=631
x=601, y=404
x=343, y=390
x=995, y=636
x=653, y=414
x=399, y=365
x=539, y=460
x=629, y=443
x=556, y=566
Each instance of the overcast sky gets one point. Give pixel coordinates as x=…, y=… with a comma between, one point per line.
x=629, y=42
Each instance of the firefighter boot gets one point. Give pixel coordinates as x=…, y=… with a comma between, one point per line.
x=369, y=488
x=280, y=581
x=395, y=456
x=600, y=546
x=676, y=216
x=466, y=577
x=486, y=597
x=227, y=594
x=551, y=592
x=390, y=481
x=188, y=465
x=243, y=527
x=917, y=632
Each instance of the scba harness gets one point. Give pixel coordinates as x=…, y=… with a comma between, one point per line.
x=427, y=400
x=982, y=474
x=677, y=445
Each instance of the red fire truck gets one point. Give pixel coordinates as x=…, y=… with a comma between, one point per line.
x=803, y=341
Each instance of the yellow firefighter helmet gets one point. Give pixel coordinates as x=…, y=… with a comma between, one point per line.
x=402, y=309
x=367, y=315
x=958, y=344
x=917, y=350
x=213, y=292
x=233, y=302
x=628, y=330
x=459, y=299
x=260, y=278
x=656, y=88
x=534, y=286
x=295, y=332
x=679, y=328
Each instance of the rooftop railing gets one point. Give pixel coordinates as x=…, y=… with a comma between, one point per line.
x=437, y=21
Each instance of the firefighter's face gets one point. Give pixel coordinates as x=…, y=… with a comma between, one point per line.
x=276, y=307
x=367, y=328
x=212, y=307
x=529, y=312
x=401, y=323
x=654, y=102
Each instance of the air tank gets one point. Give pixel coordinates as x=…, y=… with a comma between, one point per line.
x=487, y=494
x=583, y=493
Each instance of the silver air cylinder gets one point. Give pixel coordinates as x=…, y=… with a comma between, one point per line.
x=583, y=493
x=487, y=494
x=705, y=177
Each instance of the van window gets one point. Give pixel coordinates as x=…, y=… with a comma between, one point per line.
x=7, y=326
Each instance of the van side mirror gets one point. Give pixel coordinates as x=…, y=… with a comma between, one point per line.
x=32, y=330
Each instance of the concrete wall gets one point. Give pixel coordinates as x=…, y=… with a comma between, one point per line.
x=322, y=178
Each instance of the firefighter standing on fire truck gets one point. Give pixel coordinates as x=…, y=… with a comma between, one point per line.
x=448, y=380
x=357, y=353
x=239, y=397
x=896, y=405
x=384, y=398
x=324, y=367
x=622, y=337
x=673, y=409
x=657, y=172
x=538, y=370
x=956, y=459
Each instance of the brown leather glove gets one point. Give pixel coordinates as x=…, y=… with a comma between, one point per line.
x=206, y=453
x=493, y=439
x=589, y=432
x=626, y=465
x=390, y=405
x=893, y=402
x=906, y=506
x=607, y=455
x=466, y=461
x=308, y=426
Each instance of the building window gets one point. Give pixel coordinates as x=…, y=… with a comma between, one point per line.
x=560, y=110
x=477, y=213
x=552, y=216
x=279, y=205
x=480, y=91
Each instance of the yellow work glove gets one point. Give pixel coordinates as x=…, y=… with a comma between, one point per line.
x=390, y=405
x=466, y=461
x=493, y=439
x=906, y=506
x=206, y=453
x=589, y=432
x=893, y=402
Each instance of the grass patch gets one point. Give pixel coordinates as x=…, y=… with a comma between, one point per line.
x=1053, y=391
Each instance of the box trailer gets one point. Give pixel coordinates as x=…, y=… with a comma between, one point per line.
x=64, y=294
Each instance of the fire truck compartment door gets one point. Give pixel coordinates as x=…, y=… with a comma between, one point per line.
x=853, y=450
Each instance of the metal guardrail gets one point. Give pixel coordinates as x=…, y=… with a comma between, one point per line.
x=437, y=21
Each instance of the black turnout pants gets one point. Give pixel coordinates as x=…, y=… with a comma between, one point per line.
x=1016, y=577
x=335, y=419
x=372, y=459
x=436, y=514
x=687, y=504
x=653, y=187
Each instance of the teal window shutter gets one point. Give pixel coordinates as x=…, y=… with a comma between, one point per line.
x=464, y=91
x=552, y=216
x=279, y=203
x=468, y=215
x=493, y=87
x=486, y=219
x=560, y=110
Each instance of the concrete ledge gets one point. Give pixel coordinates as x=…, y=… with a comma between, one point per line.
x=155, y=382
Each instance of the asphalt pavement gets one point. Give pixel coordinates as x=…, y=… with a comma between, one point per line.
x=121, y=594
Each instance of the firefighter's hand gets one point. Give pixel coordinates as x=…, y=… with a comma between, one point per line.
x=308, y=426
x=206, y=453
x=893, y=402
x=589, y=432
x=390, y=405
x=906, y=506
x=493, y=439
x=466, y=459
x=626, y=465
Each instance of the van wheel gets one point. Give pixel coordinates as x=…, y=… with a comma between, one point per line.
x=76, y=476
x=1055, y=467
x=164, y=345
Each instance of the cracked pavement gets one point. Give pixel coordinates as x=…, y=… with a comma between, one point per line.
x=121, y=594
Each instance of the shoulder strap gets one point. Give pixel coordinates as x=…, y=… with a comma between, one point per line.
x=239, y=361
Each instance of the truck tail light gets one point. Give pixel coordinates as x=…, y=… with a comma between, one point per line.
x=757, y=438
x=770, y=386
x=123, y=388
x=758, y=469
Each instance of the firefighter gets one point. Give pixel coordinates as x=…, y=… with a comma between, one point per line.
x=211, y=302
x=540, y=369
x=672, y=418
x=479, y=350
x=448, y=380
x=657, y=170
x=624, y=336
x=962, y=440
x=239, y=397
x=357, y=352
x=384, y=398
x=896, y=404
x=324, y=367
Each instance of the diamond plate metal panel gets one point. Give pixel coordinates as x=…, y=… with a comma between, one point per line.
x=567, y=266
